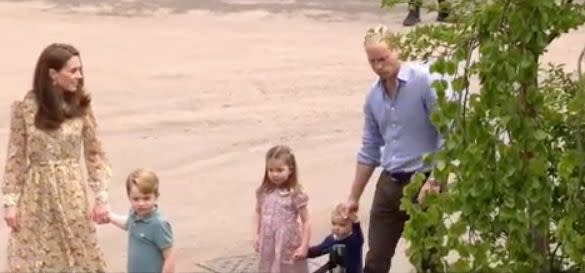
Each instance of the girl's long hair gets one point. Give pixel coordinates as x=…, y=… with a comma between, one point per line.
x=285, y=154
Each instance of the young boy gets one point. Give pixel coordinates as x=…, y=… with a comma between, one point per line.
x=150, y=238
x=347, y=232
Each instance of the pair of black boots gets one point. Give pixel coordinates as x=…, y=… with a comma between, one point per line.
x=413, y=16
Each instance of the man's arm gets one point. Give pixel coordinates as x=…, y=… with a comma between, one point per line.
x=362, y=176
x=369, y=154
x=430, y=98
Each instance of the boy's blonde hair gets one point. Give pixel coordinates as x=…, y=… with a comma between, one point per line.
x=380, y=33
x=145, y=180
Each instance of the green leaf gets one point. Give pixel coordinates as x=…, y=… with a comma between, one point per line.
x=440, y=164
x=450, y=68
x=540, y=135
x=537, y=165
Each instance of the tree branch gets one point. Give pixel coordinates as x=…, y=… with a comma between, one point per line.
x=579, y=63
x=553, y=35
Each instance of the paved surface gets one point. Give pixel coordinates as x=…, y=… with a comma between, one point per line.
x=242, y=264
x=289, y=79
x=346, y=9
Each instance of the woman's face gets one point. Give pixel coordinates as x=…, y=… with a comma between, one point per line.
x=69, y=77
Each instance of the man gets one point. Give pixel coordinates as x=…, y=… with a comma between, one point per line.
x=397, y=116
x=413, y=16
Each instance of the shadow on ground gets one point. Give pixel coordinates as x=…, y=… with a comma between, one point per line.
x=325, y=9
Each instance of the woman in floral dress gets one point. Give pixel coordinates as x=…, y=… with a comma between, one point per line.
x=44, y=190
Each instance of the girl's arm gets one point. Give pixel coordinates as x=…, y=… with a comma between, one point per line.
x=257, y=218
x=300, y=201
x=306, y=227
x=169, y=263
x=120, y=221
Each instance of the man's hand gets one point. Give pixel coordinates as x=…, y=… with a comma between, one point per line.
x=431, y=185
x=350, y=207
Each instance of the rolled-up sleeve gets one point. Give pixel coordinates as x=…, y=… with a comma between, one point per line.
x=431, y=98
x=372, y=140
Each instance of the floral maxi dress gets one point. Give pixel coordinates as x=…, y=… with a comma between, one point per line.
x=280, y=231
x=44, y=179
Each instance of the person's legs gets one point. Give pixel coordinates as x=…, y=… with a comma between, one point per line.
x=386, y=224
x=413, y=16
x=443, y=12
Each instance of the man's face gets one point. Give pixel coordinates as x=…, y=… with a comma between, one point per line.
x=384, y=61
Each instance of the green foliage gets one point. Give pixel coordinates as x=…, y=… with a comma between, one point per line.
x=513, y=152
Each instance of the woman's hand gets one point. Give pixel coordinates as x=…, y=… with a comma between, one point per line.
x=99, y=214
x=11, y=218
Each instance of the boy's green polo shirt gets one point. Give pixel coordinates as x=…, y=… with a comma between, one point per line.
x=147, y=238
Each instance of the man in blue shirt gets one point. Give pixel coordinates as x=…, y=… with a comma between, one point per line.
x=397, y=133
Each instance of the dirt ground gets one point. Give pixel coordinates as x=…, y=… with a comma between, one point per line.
x=198, y=90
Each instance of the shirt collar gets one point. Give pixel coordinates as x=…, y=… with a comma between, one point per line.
x=147, y=218
x=403, y=74
x=401, y=78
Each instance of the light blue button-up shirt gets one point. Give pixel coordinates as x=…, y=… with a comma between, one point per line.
x=398, y=131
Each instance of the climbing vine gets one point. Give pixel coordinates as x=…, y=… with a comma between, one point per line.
x=513, y=160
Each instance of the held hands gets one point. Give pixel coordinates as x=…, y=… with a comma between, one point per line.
x=350, y=208
x=100, y=213
x=300, y=253
x=12, y=218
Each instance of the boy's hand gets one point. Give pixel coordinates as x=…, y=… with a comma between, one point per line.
x=98, y=213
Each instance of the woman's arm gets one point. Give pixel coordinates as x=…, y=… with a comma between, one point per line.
x=97, y=164
x=16, y=163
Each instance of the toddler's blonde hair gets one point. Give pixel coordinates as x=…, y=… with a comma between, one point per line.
x=145, y=180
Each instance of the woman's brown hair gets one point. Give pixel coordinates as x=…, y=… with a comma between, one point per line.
x=54, y=107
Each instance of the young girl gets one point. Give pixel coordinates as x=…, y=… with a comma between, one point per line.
x=281, y=239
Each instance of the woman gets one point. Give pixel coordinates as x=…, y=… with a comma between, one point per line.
x=44, y=196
